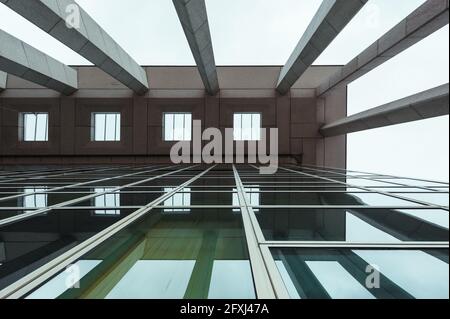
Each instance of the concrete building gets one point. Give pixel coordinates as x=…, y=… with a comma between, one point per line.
x=85, y=168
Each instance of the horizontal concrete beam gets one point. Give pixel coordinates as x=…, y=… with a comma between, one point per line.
x=194, y=19
x=83, y=35
x=24, y=61
x=330, y=19
x=3, y=77
x=428, y=18
x=424, y=105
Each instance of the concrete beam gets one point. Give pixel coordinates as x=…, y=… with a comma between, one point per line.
x=22, y=60
x=194, y=19
x=428, y=18
x=427, y=104
x=86, y=38
x=3, y=77
x=330, y=19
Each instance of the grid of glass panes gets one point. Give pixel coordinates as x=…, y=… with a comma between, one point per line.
x=324, y=221
x=177, y=126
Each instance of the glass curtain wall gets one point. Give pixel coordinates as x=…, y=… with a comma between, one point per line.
x=223, y=231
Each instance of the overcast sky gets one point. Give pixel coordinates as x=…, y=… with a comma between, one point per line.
x=258, y=32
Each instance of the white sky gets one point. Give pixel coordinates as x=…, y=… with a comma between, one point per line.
x=264, y=32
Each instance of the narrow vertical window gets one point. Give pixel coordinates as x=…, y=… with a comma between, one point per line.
x=34, y=127
x=247, y=126
x=106, y=127
x=177, y=126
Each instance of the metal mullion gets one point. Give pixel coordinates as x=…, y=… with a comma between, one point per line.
x=374, y=179
x=347, y=207
x=35, y=126
x=77, y=200
x=104, y=130
x=46, y=127
x=66, y=173
x=353, y=245
x=60, y=173
x=370, y=190
x=47, y=271
x=264, y=281
x=368, y=173
x=83, y=183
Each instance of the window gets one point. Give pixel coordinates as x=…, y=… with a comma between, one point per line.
x=106, y=127
x=34, y=127
x=177, y=126
x=247, y=126
x=109, y=200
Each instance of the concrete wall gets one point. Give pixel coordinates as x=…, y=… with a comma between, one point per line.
x=332, y=151
x=243, y=89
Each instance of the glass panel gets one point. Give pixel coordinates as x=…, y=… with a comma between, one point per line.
x=99, y=127
x=246, y=127
x=256, y=127
x=440, y=199
x=34, y=200
x=29, y=127
x=168, y=127
x=439, y=217
x=333, y=199
x=363, y=274
x=188, y=127
x=178, y=199
x=171, y=256
x=179, y=127
x=41, y=127
x=355, y=225
x=118, y=131
x=110, y=200
x=31, y=243
x=110, y=127
x=237, y=127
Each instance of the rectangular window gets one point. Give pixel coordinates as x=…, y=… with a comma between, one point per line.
x=247, y=126
x=177, y=126
x=105, y=127
x=34, y=127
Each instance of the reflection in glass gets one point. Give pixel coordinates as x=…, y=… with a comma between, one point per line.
x=439, y=217
x=195, y=256
x=60, y=283
x=324, y=273
x=178, y=199
x=107, y=200
x=338, y=283
x=35, y=198
x=252, y=196
x=154, y=279
x=351, y=225
x=229, y=274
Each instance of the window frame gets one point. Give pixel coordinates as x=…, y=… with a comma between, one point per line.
x=251, y=127
x=117, y=128
x=23, y=127
x=164, y=138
